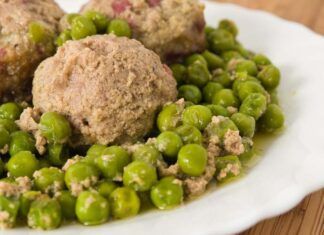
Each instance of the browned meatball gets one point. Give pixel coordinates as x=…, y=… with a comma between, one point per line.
x=19, y=55
x=110, y=88
x=171, y=28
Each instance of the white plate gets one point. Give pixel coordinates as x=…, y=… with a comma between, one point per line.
x=293, y=163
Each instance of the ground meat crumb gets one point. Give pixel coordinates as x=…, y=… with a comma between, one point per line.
x=23, y=184
x=165, y=170
x=231, y=110
x=40, y=142
x=78, y=187
x=5, y=149
x=5, y=221
x=230, y=168
x=71, y=161
x=29, y=122
x=233, y=142
x=151, y=141
x=217, y=119
x=131, y=148
x=195, y=186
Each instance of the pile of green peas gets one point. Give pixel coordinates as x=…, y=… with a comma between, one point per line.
x=112, y=182
x=92, y=23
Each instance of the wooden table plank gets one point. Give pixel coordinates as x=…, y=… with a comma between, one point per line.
x=308, y=216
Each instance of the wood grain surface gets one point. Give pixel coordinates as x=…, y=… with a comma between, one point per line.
x=308, y=216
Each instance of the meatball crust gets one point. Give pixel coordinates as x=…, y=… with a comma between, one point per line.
x=171, y=28
x=109, y=88
x=19, y=55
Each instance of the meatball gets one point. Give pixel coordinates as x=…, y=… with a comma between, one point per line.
x=109, y=88
x=171, y=28
x=19, y=53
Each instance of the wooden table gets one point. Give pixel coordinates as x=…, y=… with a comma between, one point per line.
x=308, y=217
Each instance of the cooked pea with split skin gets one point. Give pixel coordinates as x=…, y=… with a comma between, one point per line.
x=173, y=127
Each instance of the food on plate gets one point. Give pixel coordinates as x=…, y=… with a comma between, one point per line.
x=171, y=28
x=28, y=30
x=108, y=87
x=112, y=131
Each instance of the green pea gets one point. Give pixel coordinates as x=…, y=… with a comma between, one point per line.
x=240, y=78
x=70, y=17
x=92, y=208
x=272, y=119
x=261, y=60
x=221, y=40
x=197, y=115
x=195, y=58
x=188, y=104
x=190, y=93
x=112, y=162
x=23, y=163
x=229, y=55
x=49, y=180
x=226, y=98
x=208, y=30
x=120, y=28
x=244, y=52
x=192, y=159
x=10, y=111
x=124, y=203
x=63, y=37
x=147, y=153
x=242, y=65
x=82, y=27
x=140, y=176
x=38, y=33
x=269, y=76
x=210, y=90
x=248, y=87
x=10, y=207
x=223, y=78
x=93, y=152
x=220, y=129
x=245, y=124
x=67, y=202
x=254, y=105
x=45, y=213
x=100, y=20
x=4, y=138
x=106, y=187
x=167, y=193
x=21, y=141
x=96, y=150
x=55, y=127
x=26, y=200
x=214, y=61
x=189, y=134
x=228, y=25
x=58, y=154
x=169, y=118
x=198, y=74
x=9, y=125
x=218, y=110
x=227, y=168
x=248, y=153
x=274, y=99
x=179, y=72
x=80, y=176
x=169, y=143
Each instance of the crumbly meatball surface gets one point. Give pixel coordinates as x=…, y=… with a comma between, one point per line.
x=109, y=88
x=19, y=56
x=171, y=28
